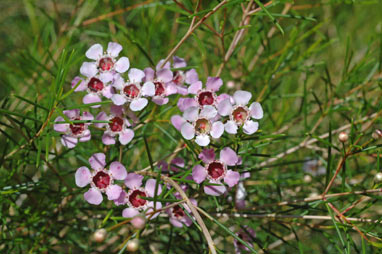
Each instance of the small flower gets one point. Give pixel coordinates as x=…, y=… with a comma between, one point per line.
x=202, y=125
x=175, y=164
x=132, y=91
x=216, y=170
x=161, y=78
x=246, y=234
x=178, y=217
x=239, y=114
x=133, y=197
x=73, y=132
x=118, y=126
x=101, y=180
x=180, y=77
x=106, y=61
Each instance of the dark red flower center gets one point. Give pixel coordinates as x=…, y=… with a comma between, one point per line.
x=159, y=88
x=135, y=199
x=178, y=78
x=177, y=211
x=131, y=91
x=116, y=124
x=95, y=85
x=206, y=98
x=202, y=125
x=101, y=180
x=215, y=170
x=240, y=115
x=106, y=64
x=77, y=128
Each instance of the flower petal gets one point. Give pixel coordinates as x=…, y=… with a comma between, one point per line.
x=217, y=129
x=160, y=63
x=60, y=127
x=215, y=190
x=150, y=205
x=191, y=76
x=230, y=127
x=250, y=127
x=165, y=75
x=97, y=161
x=194, y=88
x=94, y=52
x=118, y=81
x=117, y=170
x=187, y=130
x=116, y=110
x=242, y=97
x=83, y=176
x=225, y=107
x=228, y=156
x=126, y=136
x=87, y=116
x=69, y=141
x=81, y=84
x=107, y=92
x=185, y=103
x=118, y=99
x=138, y=104
x=133, y=180
x=122, y=65
x=92, y=98
x=113, y=192
x=93, y=196
x=73, y=113
x=150, y=187
x=207, y=155
x=86, y=136
x=113, y=49
x=202, y=140
x=88, y=69
x=191, y=114
x=199, y=174
x=177, y=121
x=214, y=83
x=176, y=223
x=178, y=62
x=149, y=74
x=256, y=110
x=148, y=89
x=121, y=200
x=106, y=77
x=101, y=117
x=177, y=163
x=107, y=139
x=208, y=112
x=136, y=75
x=159, y=100
x=231, y=178
x=129, y=212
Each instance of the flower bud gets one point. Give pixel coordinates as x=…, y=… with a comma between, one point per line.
x=100, y=235
x=132, y=245
x=378, y=177
x=138, y=221
x=376, y=134
x=343, y=137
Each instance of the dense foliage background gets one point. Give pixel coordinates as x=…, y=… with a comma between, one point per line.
x=315, y=66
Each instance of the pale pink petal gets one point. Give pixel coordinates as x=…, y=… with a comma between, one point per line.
x=107, y=139
x=208, y=112
x=138, y=104
x=202, y=140
x=93, y=196
x=136, y=75
x=194, y=88
x=116, y=110
x=133, y=180
x=81, y=84
x=217, y=129
x=117, y=170
x=224, y=96
x=178, y=62
x=101, y=117
x=72, y=114
x=230, y=127
x=242, y=97
x=86, y=136
x=199, y=174
x=92, y=98
x=106, y=77
x=150, y=206
x=160, y=63
x=107, y=92
x=207, y=155
x=187, y=130
x=159, y=100
x=88, y=69
x=165, y=75
x=148, y=89
x=214, y=83
x=94, y=52
x=256, y=110
x=60, y=127
x=150, y=187
x=191, y=114
x=113, y=191
x=121, y=200
x=250, y=127
x=129, y=212
x=191, y=76
x=177, y=121
x=179, y=162
x=126, y=136
x=113, y=49
x=118, y=99
x=87, y=116
x=68, y=141
x=122, y=65
x=83, y=176
x=171, y=89
x=118, y=82
x=97, y=161
x=149, y=74
x=176, y=223
x=163, y=166
x=182, y=90
x=231, y=178
x=228, y=156
x=225, y=107
x=215, y=190
x=185, y=103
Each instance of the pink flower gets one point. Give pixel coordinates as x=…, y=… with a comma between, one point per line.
x=106, y=61
x=247, y=234
x=119, y=126
x=216, y=170
x=161, y=78
x=197, y=124
x=180, y=77
x=73, y=132
x=132, y=91
x=178, y=216
x=100, y=179
x=175, y=164
x=133, y=197
x=240, y=114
